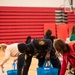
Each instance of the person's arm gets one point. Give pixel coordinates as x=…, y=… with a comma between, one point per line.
x=49, y=48
x=64, y=65
x=6, y=58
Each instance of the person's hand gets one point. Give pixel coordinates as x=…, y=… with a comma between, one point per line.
x=1, y=65
x=15, y=60
x=48, y=63
x=47, y=56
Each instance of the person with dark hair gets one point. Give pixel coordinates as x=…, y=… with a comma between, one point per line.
x=48, y=35
x=68, y=52
x=21, y=58
x=40, y=49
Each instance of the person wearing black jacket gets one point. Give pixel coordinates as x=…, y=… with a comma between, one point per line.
x=40, y=49
x=48, y=35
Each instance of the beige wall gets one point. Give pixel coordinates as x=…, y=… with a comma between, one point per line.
x=35, y=3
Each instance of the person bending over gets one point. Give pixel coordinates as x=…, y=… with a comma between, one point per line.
x=10, y=51
x=68, y=52
x=40, y=49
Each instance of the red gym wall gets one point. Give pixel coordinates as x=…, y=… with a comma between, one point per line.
x=16, y=23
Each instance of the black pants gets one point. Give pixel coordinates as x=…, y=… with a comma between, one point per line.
x=23, y=64
x=20, y=63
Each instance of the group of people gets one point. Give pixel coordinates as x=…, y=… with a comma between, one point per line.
x=42, y=49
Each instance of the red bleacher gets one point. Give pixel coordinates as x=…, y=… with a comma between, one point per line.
x=16, y=23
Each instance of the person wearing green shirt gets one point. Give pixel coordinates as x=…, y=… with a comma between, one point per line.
x=72, y=34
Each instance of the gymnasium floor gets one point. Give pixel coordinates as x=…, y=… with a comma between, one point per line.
x=8, y=65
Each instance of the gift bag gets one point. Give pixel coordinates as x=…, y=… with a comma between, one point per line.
x=13, y=71
x=47, y=70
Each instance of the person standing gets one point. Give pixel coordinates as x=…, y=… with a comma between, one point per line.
x=48, y=35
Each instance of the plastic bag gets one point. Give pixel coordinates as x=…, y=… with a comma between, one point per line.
x=47, y=70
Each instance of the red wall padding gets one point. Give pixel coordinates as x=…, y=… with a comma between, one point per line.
x=70, y=26
x=62, y=31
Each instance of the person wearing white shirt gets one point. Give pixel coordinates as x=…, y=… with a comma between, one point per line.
x=10, y=51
